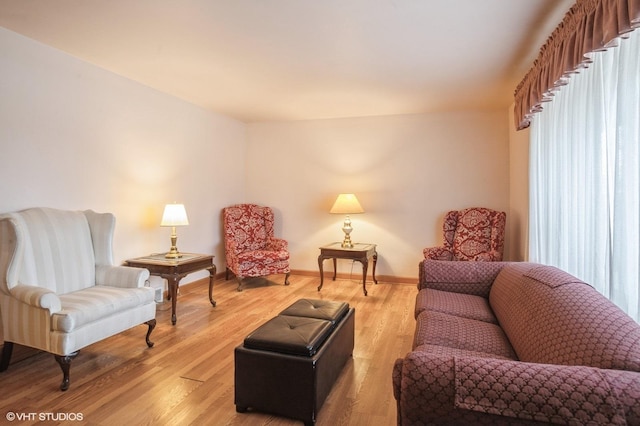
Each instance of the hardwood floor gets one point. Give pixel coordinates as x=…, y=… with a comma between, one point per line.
x=187, y=377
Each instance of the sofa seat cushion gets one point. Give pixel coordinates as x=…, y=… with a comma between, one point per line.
x=449, y=352
x=437, y=328
x=458, y=304
x=264, y=256
x=94, y=303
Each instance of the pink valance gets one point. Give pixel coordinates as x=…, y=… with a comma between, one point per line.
x=589, y=26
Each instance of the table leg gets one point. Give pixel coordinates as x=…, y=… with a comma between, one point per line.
x=212, y=276
x=320, y=261
x=375, y=260
x=173, y=281
x=365, y=266
x=335, y=269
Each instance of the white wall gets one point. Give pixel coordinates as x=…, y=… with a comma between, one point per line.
x=74, y=136
x=407, y=171
x=519, y=191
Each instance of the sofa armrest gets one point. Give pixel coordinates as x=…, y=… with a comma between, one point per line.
x=397, y=378
x=121, y=276
x=423, y=386
x=542, y=392
x=434, y=388
x=627, y=385
x=459, y=276
x=37, y=296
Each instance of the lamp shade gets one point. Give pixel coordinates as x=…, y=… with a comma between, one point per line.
x=346, y=204
x=174, y=215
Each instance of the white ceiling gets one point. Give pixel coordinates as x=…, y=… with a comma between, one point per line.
x=260, y=60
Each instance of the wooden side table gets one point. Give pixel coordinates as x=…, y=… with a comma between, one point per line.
x=360, y=252
x=173, y=270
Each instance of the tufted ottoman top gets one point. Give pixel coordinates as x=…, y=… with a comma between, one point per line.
x=300, y=329
x=322, y=309
x=290, y=335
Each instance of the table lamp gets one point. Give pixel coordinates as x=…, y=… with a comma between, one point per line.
x=346, y=204
x=174, y=215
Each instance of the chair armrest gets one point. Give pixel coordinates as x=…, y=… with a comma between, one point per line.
x=482, y=257
x=491, y=256
x=121, y=276
x=231, y=254
x=437, y=253
x=440, y=388
x=277, y=244
x=37, y=296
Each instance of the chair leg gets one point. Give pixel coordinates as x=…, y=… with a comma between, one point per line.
x=65, y=363
x=226, y=274
x=7, y=350
x=286, y=278
x=239, y=279
x=152, y=325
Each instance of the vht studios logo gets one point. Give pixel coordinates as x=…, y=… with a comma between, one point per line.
x=43, y=417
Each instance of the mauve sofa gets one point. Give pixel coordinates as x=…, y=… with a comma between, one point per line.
x=516, y=343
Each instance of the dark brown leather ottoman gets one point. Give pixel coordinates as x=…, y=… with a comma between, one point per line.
x=288, y=365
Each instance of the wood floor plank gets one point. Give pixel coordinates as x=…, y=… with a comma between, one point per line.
x=187, y=377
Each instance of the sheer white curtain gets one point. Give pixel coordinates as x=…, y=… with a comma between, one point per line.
x=585, y=176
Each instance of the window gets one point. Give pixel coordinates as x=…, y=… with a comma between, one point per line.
x=585, y=176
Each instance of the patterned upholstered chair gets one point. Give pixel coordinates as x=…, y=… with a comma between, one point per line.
x=59, y=288
x=475, y=234
x=251, y=249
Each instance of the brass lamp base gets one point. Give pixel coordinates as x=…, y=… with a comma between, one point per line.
x=346, y=228
x=172, y=255
x=173, y=251
x=347, y=243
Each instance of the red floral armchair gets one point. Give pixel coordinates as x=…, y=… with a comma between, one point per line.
x=475, y=234
x=251, y=249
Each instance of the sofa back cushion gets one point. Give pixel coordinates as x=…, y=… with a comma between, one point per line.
x=552, y=317
x=58, y=251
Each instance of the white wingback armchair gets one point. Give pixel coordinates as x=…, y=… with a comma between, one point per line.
x=59, y=288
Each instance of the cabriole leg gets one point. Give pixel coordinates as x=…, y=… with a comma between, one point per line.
x=65, y=363
x=7, y=350
x=212, y=277
x=152, y=325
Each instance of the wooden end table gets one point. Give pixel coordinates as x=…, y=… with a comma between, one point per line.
x=360, y=252
x=173, y=270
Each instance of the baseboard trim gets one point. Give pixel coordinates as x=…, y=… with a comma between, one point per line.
x=381, y=278
x=327, y=274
